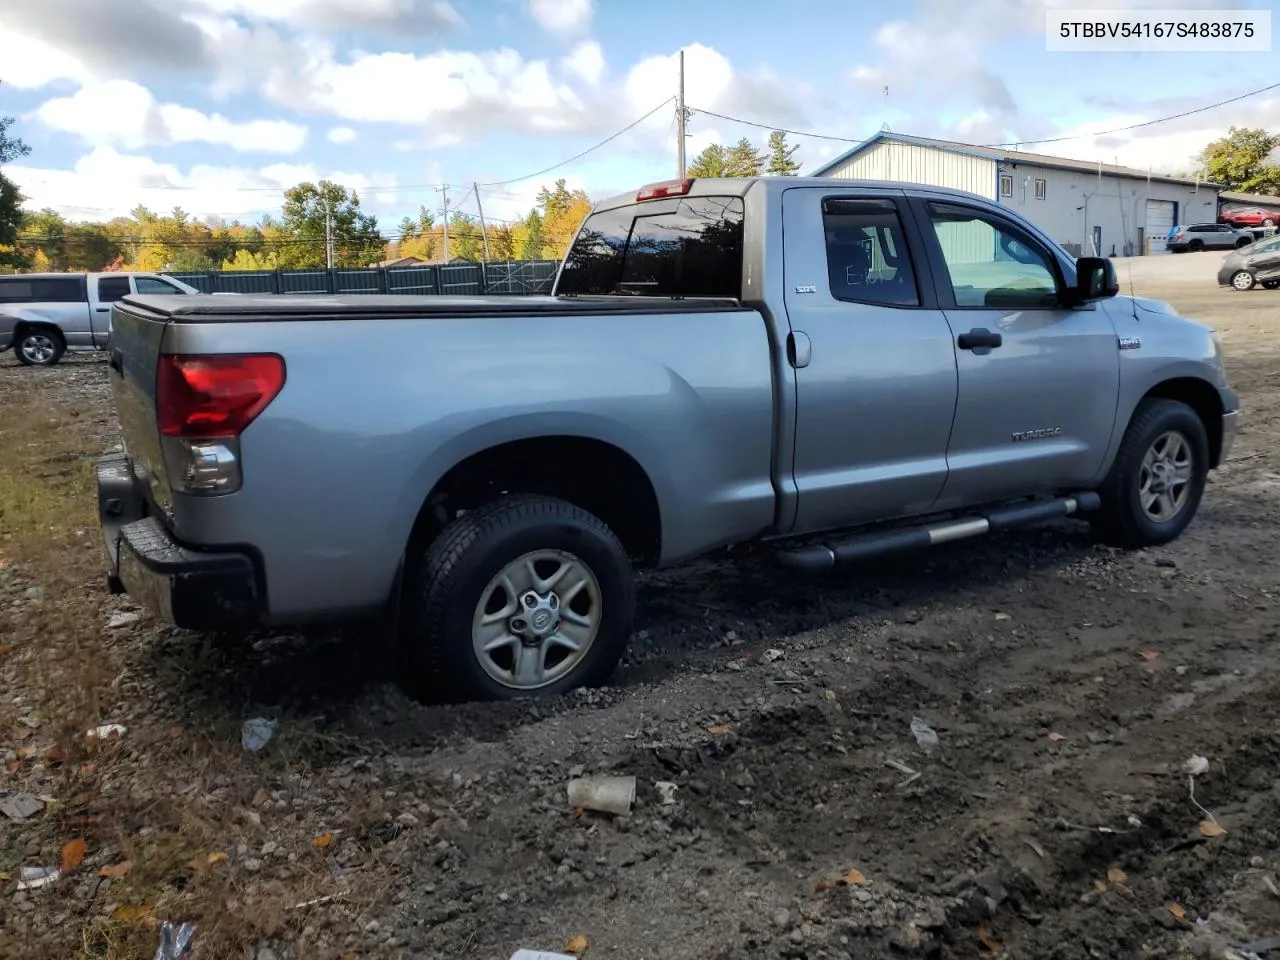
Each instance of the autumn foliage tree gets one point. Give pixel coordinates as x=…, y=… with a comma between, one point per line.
x=1243, y=161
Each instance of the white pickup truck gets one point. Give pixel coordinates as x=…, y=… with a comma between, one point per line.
x=43, y=315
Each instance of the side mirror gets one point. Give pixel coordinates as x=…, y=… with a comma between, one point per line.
x=1095, y=279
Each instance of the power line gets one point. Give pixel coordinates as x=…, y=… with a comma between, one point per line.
x=579, y=156
x=1078, y=136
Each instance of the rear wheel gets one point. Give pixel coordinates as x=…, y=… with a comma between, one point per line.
x=39, y=347
x=525, y=596
x=1155, y=485
x=1268, y=222
x=1270, y=284
x=1243, y=280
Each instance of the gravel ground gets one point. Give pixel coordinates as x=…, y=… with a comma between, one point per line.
x=1067, y=684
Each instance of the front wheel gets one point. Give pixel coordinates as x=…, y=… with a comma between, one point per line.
x=1195, y=246
x=1242, y=243
x=1243, y=280
x=1155, y=485
x=38, y=347
x=525, y=596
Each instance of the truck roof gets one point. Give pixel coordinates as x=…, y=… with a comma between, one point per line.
x=51, y=275
x=739, y=186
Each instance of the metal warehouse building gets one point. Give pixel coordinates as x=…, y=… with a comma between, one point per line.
x=1087, y=207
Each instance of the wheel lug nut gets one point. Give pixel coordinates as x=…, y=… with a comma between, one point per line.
x=518, y=624
x=530, y=600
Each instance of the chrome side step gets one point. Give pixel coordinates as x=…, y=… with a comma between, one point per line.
x=823, y=556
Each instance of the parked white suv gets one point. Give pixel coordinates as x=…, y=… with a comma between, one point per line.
x=43, y=315
x=1207, y=236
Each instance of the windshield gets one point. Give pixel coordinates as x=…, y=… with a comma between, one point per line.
x=679, y=247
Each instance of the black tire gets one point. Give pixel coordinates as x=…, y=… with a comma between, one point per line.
x=39, y=346
x=447, y=585
x=1243, y=280
x=1242, y=243
x=1270, y=284
x=1195, y=246
x=1268, y=222
x=1121, y=519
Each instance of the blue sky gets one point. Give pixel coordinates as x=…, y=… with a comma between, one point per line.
x=217, y=105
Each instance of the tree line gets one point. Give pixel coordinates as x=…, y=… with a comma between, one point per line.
x=1243, y=160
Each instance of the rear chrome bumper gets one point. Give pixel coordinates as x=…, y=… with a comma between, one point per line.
x=192, y=589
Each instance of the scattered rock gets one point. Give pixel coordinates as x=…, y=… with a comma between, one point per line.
x=121, y=620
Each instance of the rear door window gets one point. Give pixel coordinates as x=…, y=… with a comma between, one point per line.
x=867, y=257
x=677, y=247
x=111, y=289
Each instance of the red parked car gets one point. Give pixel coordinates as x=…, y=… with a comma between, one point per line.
x=1250, y=217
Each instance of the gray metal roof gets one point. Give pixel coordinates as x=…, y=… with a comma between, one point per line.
x=1003, y=155
x=1260, y=199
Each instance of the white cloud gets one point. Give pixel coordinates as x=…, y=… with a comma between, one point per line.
x=395, y=16
x=712, y=83
x=586, y=61
x=463, y=92
x=123, y=113
x=1169, y=147
x=563, y=17
x=106, y=183
x=342, y=135
x=28, y=63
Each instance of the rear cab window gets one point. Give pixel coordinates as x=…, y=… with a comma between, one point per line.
x=674, y=247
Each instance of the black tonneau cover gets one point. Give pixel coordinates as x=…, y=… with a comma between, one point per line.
x=247, y=308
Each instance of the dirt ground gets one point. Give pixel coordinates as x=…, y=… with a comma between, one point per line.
x=1068, y=685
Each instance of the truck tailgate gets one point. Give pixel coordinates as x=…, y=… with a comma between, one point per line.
x=133, y=356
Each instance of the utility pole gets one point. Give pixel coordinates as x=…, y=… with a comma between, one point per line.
x=484, y=231
x=328, y=234
x=444, y=192
x=681, y=118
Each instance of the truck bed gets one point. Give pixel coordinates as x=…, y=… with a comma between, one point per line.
x=210, y=308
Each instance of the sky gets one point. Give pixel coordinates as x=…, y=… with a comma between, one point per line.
x=217, y=106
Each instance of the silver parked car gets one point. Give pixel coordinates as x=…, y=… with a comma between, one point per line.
x=1206, y=236
x=43, y=315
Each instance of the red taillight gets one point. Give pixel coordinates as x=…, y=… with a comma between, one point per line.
x=200, y=397
x=668, y=188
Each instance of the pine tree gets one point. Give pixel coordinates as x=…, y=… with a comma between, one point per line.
x=780, y=162
x=744, y=160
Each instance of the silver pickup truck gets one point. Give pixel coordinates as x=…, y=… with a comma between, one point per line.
x=838, y=368
x=43, y=315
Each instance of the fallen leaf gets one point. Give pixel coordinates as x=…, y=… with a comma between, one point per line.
x=1003, y=616
x=27, y=752
x=174, y=732
x=132, y=914
x=821, y=887
x=55, y=754
x=80, y=799
x=1099, y=886
x=116, y=870
x=853, y=878
x=1056, y=737
x=12, y=765
x=5, y=649
x=718, y=730
x=577, y=946
x=322, y=841
x=217, y=856
x=5, y=877
x=579, y=812
x=988, y=941
x=88, y=769
x=199, y=865
x=1116, y=875
x=829, y=695
x=1150, y=655
x=1211, y=829
x=1178, y=911
x=21, y=733
x=72, y=853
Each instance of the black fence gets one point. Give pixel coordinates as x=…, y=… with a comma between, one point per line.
x=512, y=278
